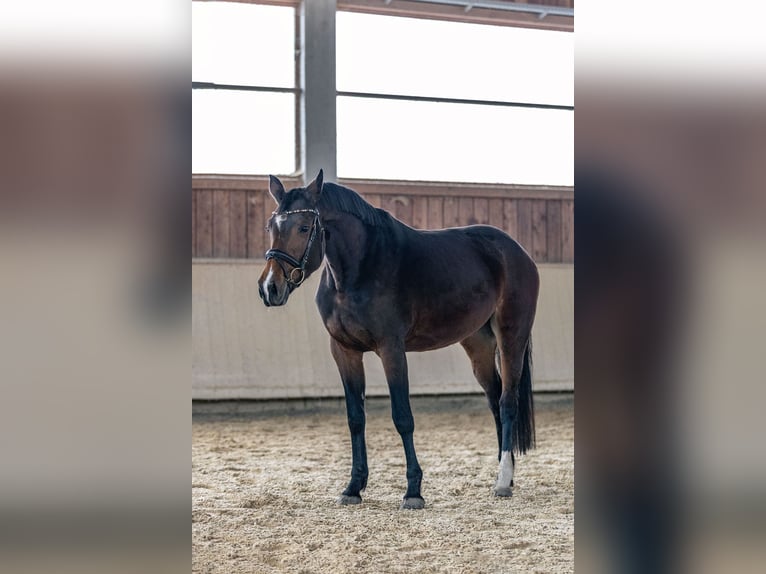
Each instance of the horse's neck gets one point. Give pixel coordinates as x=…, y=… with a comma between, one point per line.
x=345, y=250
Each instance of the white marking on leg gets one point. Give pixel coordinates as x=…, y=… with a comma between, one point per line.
x=505, y=474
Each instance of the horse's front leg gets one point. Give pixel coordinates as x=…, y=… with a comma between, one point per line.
x=352, y=374
x=395, y=366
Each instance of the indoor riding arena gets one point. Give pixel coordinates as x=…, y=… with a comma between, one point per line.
x=264, y=486
x=444, y=114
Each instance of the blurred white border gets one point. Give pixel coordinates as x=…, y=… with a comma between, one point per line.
x=93, y=30
x=708, y=43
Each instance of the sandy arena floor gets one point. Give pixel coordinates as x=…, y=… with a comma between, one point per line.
x=264, y=483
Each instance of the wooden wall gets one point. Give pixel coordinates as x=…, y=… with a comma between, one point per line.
x=229, y=213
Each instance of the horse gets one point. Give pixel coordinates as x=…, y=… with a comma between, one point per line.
x=389, y=288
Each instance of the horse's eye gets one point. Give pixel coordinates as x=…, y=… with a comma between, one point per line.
x=304, y=229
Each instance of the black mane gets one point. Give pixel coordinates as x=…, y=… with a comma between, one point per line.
x=339, y=198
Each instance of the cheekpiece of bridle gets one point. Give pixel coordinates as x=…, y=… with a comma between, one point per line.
x=298, y=272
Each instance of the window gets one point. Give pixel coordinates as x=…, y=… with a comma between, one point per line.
x=244, y=93
x=241, y=132
x=417, y=99
x=482, y=141
x=454, y=142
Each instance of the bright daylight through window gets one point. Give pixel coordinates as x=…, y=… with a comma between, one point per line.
x=253, y=132
x=243, y=131
x=380, y=138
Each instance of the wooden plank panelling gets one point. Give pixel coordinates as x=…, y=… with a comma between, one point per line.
x=228, y=220
x=481, y=210
x=451, y=217
x=465, y=211
x=388, y=203
x=420, y=212
x=539, y=230
x=525, y=224
x=567, y=231
x=204, y=223
x=194, y=225
x=389, y=187
x=511, y=218
x=221, y=217
x=256, y=222
x=373, y=199
x=238, y=229
x=435, y=212
x=403, y=208
x=243, y=182
x=495, y=207
x=554, y=231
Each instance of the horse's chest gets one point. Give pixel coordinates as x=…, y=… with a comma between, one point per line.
x=347, y=324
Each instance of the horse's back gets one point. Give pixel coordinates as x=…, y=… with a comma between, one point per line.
x=454, y=279
x=520, y=274
x=477, y=244
x=487, y=256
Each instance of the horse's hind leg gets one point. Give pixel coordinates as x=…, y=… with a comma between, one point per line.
x=512, y=326
x=482, y=348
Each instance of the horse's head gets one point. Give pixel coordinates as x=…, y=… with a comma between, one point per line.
x=296, y=240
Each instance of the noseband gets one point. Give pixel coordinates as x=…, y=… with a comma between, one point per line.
x=298, y=273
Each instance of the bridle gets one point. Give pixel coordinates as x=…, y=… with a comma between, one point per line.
x=298, y=272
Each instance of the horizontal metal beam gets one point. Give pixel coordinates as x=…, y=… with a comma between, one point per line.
x=207, y=182
x=459, y=13
x=541, y=10
x=467, y=5
x=440, y=100
x=236, y=87
x=376, y=96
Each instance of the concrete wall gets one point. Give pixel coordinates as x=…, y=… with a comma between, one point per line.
x=242, y=350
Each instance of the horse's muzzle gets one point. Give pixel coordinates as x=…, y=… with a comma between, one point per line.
x=271, y=296
x=262, y=295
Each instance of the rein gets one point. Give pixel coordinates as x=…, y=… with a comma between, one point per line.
x=298, y=273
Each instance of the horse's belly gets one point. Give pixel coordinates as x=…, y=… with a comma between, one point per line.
x=449, y=326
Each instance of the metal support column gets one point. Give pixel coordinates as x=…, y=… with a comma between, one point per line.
x=317, y=74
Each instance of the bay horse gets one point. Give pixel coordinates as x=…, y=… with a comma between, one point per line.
x=389, y=289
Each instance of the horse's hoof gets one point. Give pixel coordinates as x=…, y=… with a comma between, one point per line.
x=345, y=500
x=503, y=491
x=412, y=504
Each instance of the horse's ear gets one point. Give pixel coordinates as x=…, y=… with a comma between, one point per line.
x=276, y=189
x=315, y=187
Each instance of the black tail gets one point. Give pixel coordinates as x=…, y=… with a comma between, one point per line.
x=524, y=422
